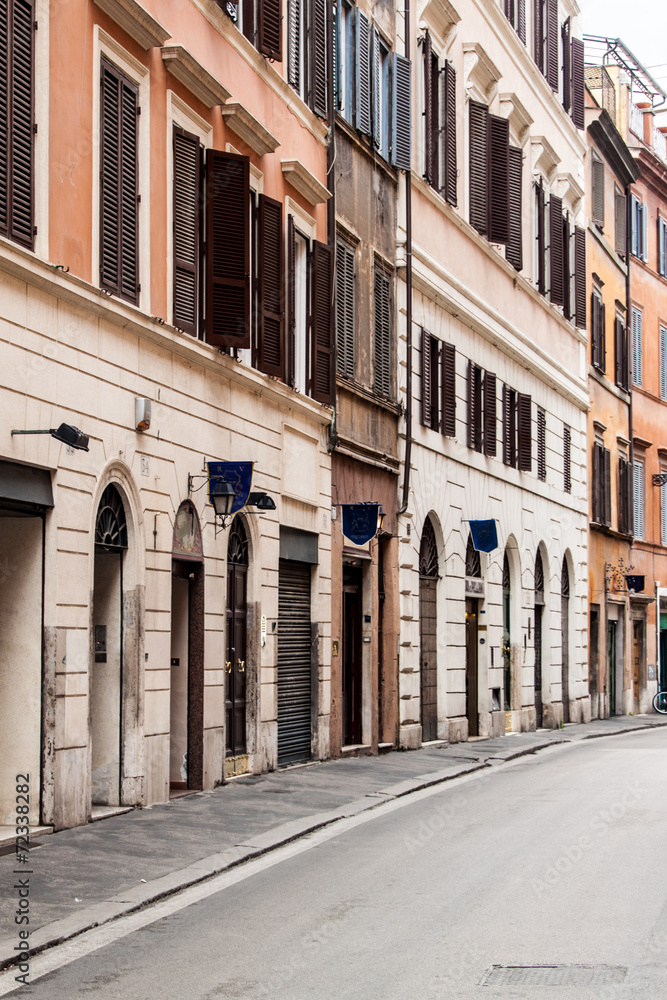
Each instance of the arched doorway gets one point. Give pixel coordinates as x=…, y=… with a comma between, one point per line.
x=235, y=661
x=106, y=690
x=507, y=636
x=473, y=572
x=186, y=727
x=428, y=632
x=539, y=608
x=565, y=638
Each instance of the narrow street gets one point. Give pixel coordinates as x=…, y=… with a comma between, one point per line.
x=549, y=860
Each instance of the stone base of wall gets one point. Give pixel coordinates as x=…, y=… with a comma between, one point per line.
x=458, y=730
x=410, y=737
x=71, y=786
x=157, y=769
x=214, y=755
x=266, y=759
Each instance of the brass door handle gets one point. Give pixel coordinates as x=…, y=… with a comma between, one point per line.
x=228, y=667
x=241, y=664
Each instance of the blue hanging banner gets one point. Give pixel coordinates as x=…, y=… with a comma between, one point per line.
x=238, y=474
x=360, y=521
x=484, y=535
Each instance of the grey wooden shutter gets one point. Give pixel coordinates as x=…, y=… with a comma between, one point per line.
x=618, y=351
x=429, y=137
x=427, y=376
x=567, y=464
x=227, y=249
x=119, y=216
x=317, y=55
x=507, y=425
x=637, y=358
x=448, y=425
x=291, y=299
x=552, y=44
x=479, y=169
x=17, y=29
x=567, y=63
x=345, y=361
x=401, y=114
x=606, y=481
x=294, y=43
x=514, y=251
x=556, y=249
x=363, y=73
x=448, y=166
x=662, y=249
x=271, y=284
x=597, y=171
x=186, y=199
x=623, y=496
x=524, y=432
x=580, y=277
x=382, y=332
x=663, y=362
x=620, y=227
x=490, y=434
x=270, y=25
x=541, y=444
x=322, y=352
x=499, y=180
x=376, y=88
x=578, y=83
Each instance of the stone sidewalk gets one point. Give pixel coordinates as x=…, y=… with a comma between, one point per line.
x=90, y=875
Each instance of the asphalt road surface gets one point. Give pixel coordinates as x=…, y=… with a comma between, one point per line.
x=542, y=878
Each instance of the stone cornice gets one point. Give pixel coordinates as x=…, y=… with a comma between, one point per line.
x=183, y=65
x=248, y=128
x=136, y=21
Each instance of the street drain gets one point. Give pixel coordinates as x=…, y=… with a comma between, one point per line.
x=554, y=975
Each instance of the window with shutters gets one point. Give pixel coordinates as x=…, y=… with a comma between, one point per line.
x=475, y=415
x=517, y=429
x=509, y=426
x=620, y=222
x=598, y=339
x=438, y=385
x=637, y=374
x=601, y=485
x=577, y=80
x=17, y=55
x=663, y=512
x=545, y=40
x=541, y=444
x=662, y=247
x=638, y=506
x=310, y=323
x=187, y=160
x=489, y=174
x=119, y=191
x=580, y=277
x=624, y=495
x=567, y=459
x=261, y=23
x=597, y=182
x=439, y=82
x=515, y=12
x=298, y=249
x=556, y=251
x=540, y=256
x=382, y=329
x=566, y=85
x=345, y=309
x=514, y=249
x=307, y=47
x=663, y=362
x=380, y=89
x=638, y=229
x=620, y=352
x=344, y=59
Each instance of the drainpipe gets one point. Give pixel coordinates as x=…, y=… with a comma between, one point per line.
x=408, y=306
x=631, y=449
x=331, y=203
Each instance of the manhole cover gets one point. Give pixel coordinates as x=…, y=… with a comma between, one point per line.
x=554, y=975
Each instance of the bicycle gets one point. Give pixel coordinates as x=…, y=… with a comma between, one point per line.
x=660, y=702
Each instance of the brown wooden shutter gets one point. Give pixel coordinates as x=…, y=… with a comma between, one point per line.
x=597, y=484
x=619, y=222
x=595, y=329
x=525, y=442
x=426, y=378
x=317, y=54
x=580, y=277
x=623, y=496
x=119, y=217
x=294, y=43
x=499, y=180
x=507, y=425
x=428, y=109
x=567, y=466
x=606, y=472
x=345, y=360
x=270, y=33
x=567, y=63
x=538, y=33
x=541, y=240
x=291, y=299
x=521, y=20
x=541, y=444
x=474, y=407
x=556, y=251
x=618, y=351
x=514, y=251
x=186, y=198
x=448, y=425
x=479, y=169
x=227, y=249
x=382, y=332
x=603, y=338
x=552, y=44
x=490, y=434
x=567, y=276
x=578, y=102
x=17, y=29
x=448, y=148
x=322, y=352
x=271, y=285
x=597, y=177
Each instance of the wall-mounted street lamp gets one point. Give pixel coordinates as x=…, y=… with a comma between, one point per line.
x=229, y=490
x=222, y=497
x=66, y=433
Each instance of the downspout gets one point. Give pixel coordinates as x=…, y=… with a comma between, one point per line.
x=408, y=305
x=631, y=449
x=331, y=205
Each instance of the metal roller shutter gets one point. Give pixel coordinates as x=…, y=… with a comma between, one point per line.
x=294, y=662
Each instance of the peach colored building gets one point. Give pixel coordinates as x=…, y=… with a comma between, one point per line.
x=165, y=243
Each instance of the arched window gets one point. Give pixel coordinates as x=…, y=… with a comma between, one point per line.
x=237, y=546
x=506, y=573
x=428, y=551
x=539, y=579
x=111, y=524
x=473, y=564
x=565, y=580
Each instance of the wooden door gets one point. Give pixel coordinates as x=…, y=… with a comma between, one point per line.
x=352, y=655
x=235, y=659
x=637, y=650
x=472, y=682
x=428, y=642
x=538, y=666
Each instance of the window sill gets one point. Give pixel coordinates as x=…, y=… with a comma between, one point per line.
x=363, y=145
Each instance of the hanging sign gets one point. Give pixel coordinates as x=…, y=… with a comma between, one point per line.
x=484, y=535
x=360, y=521
x=237, y=474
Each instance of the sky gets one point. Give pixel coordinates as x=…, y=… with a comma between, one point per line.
x=641, y=24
